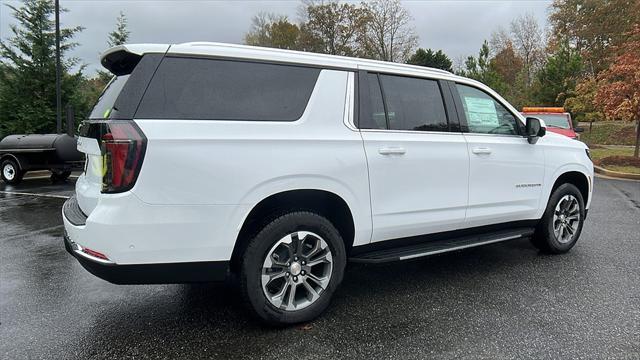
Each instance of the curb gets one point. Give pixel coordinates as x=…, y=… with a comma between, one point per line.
x=615, y=174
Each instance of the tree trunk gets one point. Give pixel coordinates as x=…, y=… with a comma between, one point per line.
x=636, y=152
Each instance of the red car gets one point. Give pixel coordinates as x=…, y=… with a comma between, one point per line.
x=556, y=119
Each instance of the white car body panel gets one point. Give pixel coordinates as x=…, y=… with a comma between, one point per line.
x=419, y=191
x=200, y=179
x=505, y=179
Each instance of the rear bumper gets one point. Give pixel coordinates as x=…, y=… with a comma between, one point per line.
x=156, y=273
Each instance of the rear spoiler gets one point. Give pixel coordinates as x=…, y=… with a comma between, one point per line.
x=122, y=59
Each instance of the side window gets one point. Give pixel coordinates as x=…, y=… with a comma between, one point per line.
x=414, y=104
x=484, y=114
x=190, y=88
x=375, y=117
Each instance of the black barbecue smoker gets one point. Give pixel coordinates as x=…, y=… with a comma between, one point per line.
x=57, y=153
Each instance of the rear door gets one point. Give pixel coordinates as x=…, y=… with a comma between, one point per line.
x=417, y=158
x=506, y=172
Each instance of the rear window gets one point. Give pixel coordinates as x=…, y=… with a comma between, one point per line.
x=103, y=107
x=208, y=89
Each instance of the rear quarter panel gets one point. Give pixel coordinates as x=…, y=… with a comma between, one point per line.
x=203, y=164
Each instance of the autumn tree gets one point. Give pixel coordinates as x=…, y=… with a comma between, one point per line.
x=390, y=35
x=28, y=71
x=430, y=58
x=580, y=102
x=593, y=27
x=507, y=63
x=275, y=31
x=334, y=28
x=619, y=86
x=528, y=41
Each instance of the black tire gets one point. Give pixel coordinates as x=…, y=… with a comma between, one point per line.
x=59, y=175
x=259, y=248
x=545, y=238
x=12, y=167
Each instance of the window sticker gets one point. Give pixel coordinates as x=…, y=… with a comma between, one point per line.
x=481, y=112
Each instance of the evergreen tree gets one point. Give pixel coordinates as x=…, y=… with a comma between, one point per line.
x=430, y=58
x=483, y=70
x=557, y=79
x=28, y=71
x=119, y=36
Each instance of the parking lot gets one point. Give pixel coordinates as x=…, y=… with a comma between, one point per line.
x=499, y=301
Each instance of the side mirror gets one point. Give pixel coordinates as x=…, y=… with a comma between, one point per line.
x=578, y=129
x=535, y=129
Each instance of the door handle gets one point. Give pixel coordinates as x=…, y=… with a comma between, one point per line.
x=481, y=151
x=392, y=151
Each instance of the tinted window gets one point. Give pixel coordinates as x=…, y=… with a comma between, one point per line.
x=414, y=104
x=484, y=114
x=103, y=107
x=186, y=88
x=375, y=117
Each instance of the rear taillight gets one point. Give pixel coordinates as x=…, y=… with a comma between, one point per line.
x=123, y=147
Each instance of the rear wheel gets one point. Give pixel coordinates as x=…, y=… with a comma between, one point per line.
x=561, y=224
x=292, y=267
x=11, y=172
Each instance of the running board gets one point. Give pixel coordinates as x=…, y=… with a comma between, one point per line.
x=435, y=247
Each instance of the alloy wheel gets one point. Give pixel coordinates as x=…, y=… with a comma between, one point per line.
x=297, y=270
x=566, y=218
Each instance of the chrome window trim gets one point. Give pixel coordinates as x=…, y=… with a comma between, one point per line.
x=412, y=131
x=499, y=135
x=349, y=103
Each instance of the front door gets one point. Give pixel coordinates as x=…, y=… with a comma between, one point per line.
x=505, y=172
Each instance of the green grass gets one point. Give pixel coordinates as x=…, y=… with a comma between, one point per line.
x=613, y=133
x=624, y=169
x=602, y=153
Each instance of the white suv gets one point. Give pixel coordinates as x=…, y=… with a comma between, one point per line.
x=278, y=166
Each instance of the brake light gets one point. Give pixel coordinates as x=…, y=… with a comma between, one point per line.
x=123, y=148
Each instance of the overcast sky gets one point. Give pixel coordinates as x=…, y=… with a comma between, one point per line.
x=456, y=27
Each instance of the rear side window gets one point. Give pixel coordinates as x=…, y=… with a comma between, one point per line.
x=414, y=104
x=403, y=103
x=189, y=88
x=103, y=107
x=376, y=118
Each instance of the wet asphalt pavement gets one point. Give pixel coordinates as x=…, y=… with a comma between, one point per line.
x=494, y=302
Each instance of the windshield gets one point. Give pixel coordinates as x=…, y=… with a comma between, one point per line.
x=103, y=107
x=559, y=120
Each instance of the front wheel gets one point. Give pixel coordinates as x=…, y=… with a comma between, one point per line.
x=292, y=267
x=561, y=224
x=11, y=172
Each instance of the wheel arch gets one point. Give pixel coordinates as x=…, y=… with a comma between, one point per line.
x=575, y=177
x=323, y=202
x=3, y=157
